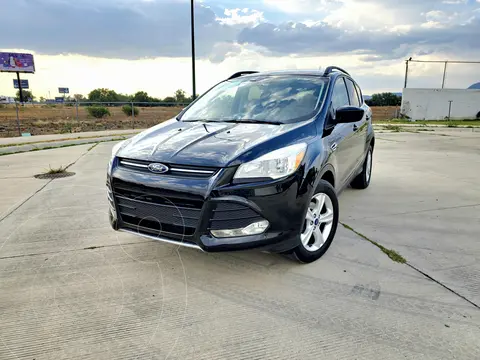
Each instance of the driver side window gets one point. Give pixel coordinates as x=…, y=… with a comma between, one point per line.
x=340, y=95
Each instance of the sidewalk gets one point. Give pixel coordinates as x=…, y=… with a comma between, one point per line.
x=32, y=143
x=20, y=140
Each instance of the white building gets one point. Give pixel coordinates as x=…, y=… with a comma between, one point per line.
x=440, y=104
x=6, y=100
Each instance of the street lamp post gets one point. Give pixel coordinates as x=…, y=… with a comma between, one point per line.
x=192, y=14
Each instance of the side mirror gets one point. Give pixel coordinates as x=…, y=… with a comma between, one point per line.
x=349, y=114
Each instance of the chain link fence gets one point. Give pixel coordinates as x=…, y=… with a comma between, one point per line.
x=71, y=117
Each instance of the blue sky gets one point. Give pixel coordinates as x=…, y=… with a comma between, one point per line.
x=109, y=38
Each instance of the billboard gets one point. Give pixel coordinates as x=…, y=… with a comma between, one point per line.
x=16, y=62
x=59, y=99
x=63, y=90
x=23, y=82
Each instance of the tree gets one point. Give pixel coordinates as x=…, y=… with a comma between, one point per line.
x=124, y=97
x=79, y=97
x=180, y=96
x=141, y=96
x=385, y=99
x=169, y=99
x=27, y=94
x=41, y=99
x=103, y=95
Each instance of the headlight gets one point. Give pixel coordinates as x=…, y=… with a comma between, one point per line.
x=115, y=149
x=274, y=165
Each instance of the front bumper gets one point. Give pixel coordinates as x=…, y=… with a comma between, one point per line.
x=183, y=210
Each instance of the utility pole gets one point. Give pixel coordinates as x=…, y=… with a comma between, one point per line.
x=20, y=87
x=444, y=74
x=192, y=14
x=406, y=73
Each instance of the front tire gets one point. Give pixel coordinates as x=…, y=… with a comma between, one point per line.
x=320, y=224
x=363, y=179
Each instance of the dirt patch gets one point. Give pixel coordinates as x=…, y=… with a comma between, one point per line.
x=60, y=119
x=54, y=175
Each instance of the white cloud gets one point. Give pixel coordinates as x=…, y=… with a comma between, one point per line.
x=439, y=19
x=241, y=17
x=300, y=6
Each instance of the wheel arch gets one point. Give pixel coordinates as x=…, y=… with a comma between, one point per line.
x=328, y=174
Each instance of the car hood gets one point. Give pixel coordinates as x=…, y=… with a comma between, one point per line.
x=214, y=144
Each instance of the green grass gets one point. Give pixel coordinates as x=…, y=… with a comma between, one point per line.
x=449, y=123
x=392, y=254
x=59, y=170
x=394, y=128
x=91, y=147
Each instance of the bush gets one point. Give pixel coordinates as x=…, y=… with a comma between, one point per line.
x=127, y=110
x=98, y=112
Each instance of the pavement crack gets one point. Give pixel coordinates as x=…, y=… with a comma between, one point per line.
x=24, y=201
x=392, y=254
x=443, y=285
x=94, y=247
x=40, y=189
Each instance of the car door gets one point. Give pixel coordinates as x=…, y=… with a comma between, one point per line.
x=359, y=127
x=341, y=139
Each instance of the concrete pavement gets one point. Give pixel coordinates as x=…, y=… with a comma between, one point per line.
x=70, y=287
x=21, y=140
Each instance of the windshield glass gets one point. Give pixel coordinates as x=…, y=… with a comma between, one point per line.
x=275, y=99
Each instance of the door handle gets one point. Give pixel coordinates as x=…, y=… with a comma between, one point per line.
x=334, y=146
x=355, y=127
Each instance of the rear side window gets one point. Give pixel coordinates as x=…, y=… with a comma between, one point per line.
x=340, y=95
x=352, y=93
x=359, y=92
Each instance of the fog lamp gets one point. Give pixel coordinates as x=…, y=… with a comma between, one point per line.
x=252, y=229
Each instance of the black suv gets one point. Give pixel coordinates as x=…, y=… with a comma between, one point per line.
x=255, y=162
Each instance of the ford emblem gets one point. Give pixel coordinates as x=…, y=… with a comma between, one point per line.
x=158, y=168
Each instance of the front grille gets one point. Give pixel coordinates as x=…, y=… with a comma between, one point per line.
x=157, y=212
x=229, y=215
x=174, y=169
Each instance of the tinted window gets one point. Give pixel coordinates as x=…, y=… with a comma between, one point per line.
x=352, y=93
x=262, y=98
x=340, y=95
x=359, y=92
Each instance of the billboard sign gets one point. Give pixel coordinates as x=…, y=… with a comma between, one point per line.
x=63, y=90
x=59, y=99
x=16, y=62
x=23, y=82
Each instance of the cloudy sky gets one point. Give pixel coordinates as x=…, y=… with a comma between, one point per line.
x=131, y=45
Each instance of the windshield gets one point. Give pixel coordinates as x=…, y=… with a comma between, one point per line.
x=272, y=99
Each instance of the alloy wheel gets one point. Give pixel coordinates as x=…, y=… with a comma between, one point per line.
x=368, y=168
x=318, y=222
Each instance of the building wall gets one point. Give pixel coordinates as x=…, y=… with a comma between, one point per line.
x=432, y=104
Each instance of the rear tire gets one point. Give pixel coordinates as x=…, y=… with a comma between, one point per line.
x=320, y=224
x=363, y=179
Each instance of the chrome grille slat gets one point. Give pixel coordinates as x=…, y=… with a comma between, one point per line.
x=174, y=169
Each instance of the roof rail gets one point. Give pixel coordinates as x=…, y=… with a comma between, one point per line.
x=241, y=73
x=330, y=69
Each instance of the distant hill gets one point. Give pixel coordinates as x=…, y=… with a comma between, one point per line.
x=475, y=86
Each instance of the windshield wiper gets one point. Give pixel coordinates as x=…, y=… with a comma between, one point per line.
x=253, y=121
x=239, y=121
